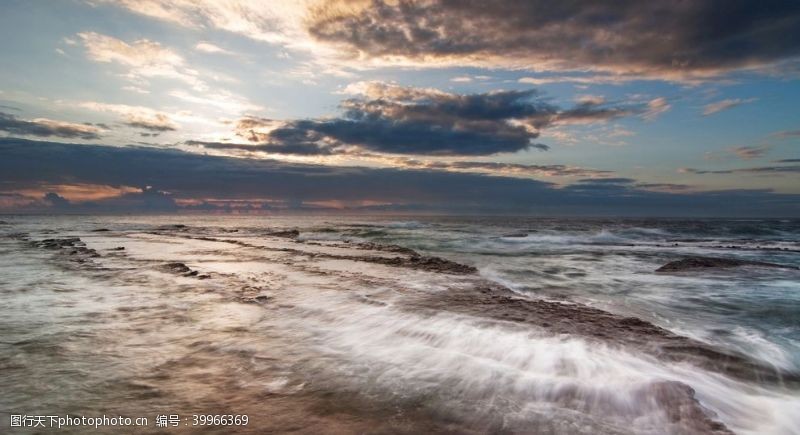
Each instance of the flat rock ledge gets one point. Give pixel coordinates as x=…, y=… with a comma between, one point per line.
x=701, y=263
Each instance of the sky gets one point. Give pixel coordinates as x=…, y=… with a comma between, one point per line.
x=659, y=108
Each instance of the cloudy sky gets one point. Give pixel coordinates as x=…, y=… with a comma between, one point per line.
x=444, y=106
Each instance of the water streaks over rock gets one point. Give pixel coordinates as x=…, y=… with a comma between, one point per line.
x=701, y=263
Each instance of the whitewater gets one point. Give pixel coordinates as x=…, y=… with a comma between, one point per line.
x=403, y=324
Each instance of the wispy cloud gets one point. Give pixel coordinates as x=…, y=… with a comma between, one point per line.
x=136, y=116
x=143, y=58
x=751, y=152
x=787, y=134
x=590, y=79
x=719, y=106
x=220, y=99
x=207, y=47
x=272, y=22
x=461, y=79
x=656, y=107
x=497, y=168
x=789, y=169
x=44, y=127
x=147, y=59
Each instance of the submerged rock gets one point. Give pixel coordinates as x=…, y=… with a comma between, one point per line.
x=517, y=235
x=372, y=246
x=289, y=234
x=66, y=242
x=253, y=295
x=101, y=230
x=181, y=269
x=178, y=227
x=683, y=409
x=430, y=264
x=695, y=263
x=19, y=236
x=72, y=246
x=176, y=267
x=82, y=250
x=118, y=248
x=559, y=318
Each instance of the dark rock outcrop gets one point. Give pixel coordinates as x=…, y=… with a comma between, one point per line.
x=253, y=295
x=178, y=269
x=72, y=246
x=699, y=263
x=372, y=246
x=66, y=242
x=181, y=269
x=175, y=227
x=289, y=234
x=430, y=264
x=175, y=268
x=101, y=230
x=683, y=409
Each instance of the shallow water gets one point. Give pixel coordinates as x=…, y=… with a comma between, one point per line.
x=318, y=334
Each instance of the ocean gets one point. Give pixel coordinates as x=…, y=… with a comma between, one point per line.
x=331, y=324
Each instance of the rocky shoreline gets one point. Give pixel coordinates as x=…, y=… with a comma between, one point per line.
x=470, y=295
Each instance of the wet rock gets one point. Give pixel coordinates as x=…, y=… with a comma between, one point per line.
x=176, y=268
x=181, y=269
x=118, y=248
x=253, y=295
x=83, y=251
x=101, y=230
x=437, y=264
x=518, y=235
x=700, y=263
x=67, y=242
x=558, y=318
x=372, y=246
x=71, y=246
x=19, y=236
x=682, y=408
x=289, y=234
x=430, y=264
x=176, y=227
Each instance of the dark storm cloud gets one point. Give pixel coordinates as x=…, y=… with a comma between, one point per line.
x=27, y=164
x=56, y=200
x=404, y=120
x=146, y=200
x=46, y=128
x=662, y=38
x=411, y=121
